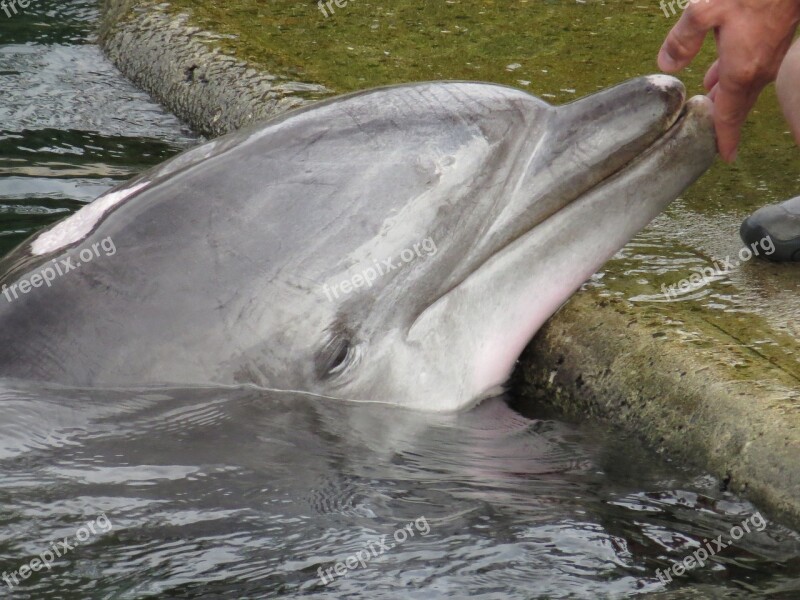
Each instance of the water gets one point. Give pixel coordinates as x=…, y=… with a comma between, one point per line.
x=70, y=126
x=233, y=493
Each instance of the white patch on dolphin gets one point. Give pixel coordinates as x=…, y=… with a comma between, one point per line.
x=80, y=224
x=660, y=81
x=77, y=226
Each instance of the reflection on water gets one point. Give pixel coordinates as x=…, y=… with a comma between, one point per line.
x=244, y=494
x=239, y=493
x=70, y=126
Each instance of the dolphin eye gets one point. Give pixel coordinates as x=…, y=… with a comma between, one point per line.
x=337, y=355
x=338, y=363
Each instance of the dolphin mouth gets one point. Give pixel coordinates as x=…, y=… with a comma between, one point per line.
x=693, y=120
x=693, y=113
x=595, y=139
x=665, y=120
x=532, y=273
x=659, y=109
x=685, y=132
x=581, y=145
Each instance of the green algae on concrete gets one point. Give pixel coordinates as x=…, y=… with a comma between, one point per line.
x=711, y=376
x=559, y=50
x=556, y=45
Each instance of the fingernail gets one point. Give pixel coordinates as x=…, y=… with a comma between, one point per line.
x=667, y=62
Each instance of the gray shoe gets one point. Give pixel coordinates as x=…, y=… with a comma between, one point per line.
x=779, y=223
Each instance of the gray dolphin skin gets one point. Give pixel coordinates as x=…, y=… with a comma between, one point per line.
x=399, y=245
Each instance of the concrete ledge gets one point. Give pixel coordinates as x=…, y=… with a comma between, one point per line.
x=605, y=359
x=174, y=62
x=719, y=405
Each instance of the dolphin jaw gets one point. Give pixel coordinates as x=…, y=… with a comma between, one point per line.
x=501, y=304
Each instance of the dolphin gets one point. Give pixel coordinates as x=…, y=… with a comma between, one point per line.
x=398, y=245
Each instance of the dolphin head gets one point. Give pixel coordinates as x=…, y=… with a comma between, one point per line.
x=399, y=245
x=519, y=209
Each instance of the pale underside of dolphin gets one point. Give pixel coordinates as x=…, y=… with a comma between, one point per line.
x=399, y=245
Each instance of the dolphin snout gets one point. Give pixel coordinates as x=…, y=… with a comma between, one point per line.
x=595, y=137
x=668, y=91
x=624, y=119
x=700, y=109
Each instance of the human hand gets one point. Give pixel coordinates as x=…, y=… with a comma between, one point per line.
x=752, y=38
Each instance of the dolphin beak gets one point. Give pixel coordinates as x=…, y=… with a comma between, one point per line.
x=585, y=143
x=634, y=113
x=602, y=133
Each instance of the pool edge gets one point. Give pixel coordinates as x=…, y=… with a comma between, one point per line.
x=610, y=360
x=180, y=67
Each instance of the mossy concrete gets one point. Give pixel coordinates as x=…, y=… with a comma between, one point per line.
x=175, y=63
x=690, y=382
